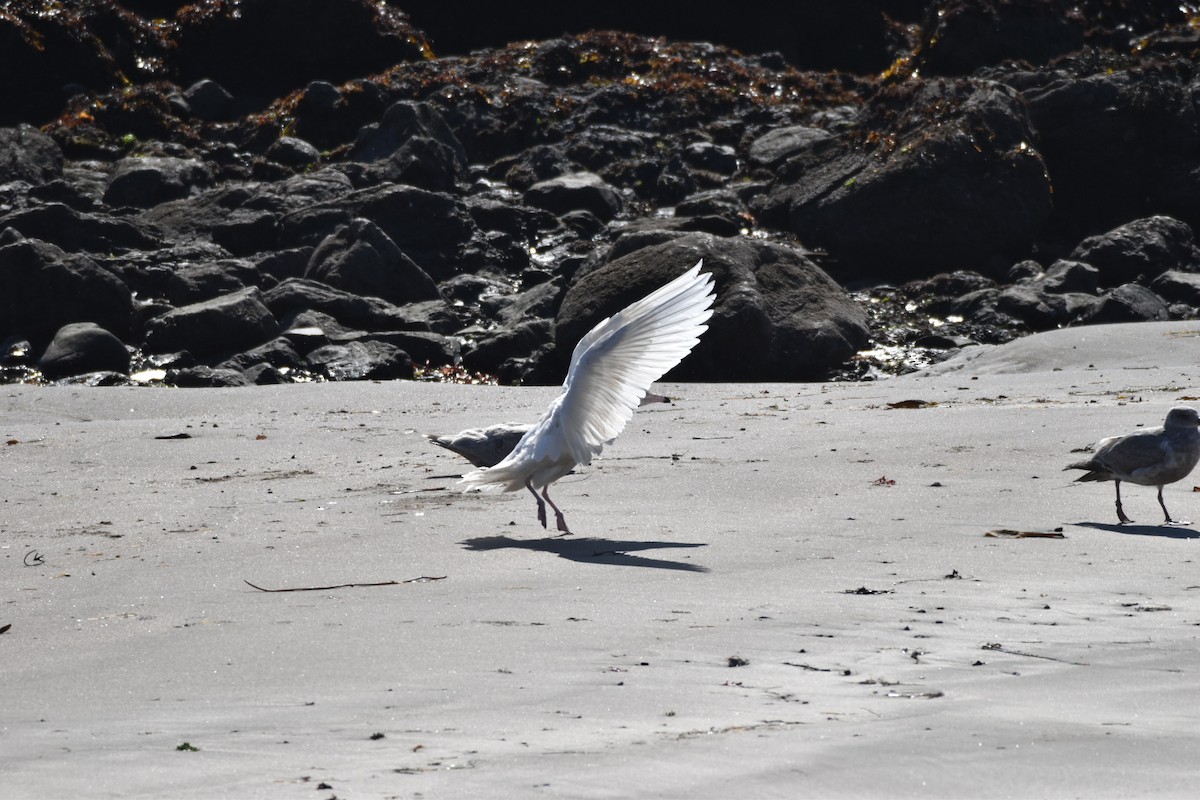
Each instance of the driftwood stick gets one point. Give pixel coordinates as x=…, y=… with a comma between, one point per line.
x=421, y=579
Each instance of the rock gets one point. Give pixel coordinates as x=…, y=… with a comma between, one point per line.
x=1070, y=276
x=209, y=101
x=45, y=289
x=579, y=191
x=360, y=361
x=776, y=146
x=275, y=353
x=82, y=347
x=149, y=180
x=958, y=181
x=367, y=313
x=1129, y=303
x=960, y=36
x=293, y=152
x=517, y=340
x=246, y=231
x=360, y=258
x=1178, y=287
x=193, y=283
x=1142, y=249
x=778, y=316
x=228, y=324
x=78, y=231
x=712, y=157
x=402, y=122
x=28, y=155
x=202, y=377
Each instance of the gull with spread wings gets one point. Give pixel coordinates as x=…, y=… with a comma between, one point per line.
x=611, y=370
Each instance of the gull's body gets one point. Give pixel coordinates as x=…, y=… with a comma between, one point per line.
x=611, y=370
x=1150, y=457
x=486, y=447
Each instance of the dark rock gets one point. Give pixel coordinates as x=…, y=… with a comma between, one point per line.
x=778, y=316
x=1027, y=305
x=149, y=180
x=246, y=231
x=1070, y=276
x=293, y=152
x=81, y=347
x=1178, y=287
x=276, y=353
x=1142, y=249
x=228, y=324
x=422, y=347
x=580, y=191
x=1024, y=271
x=538, y=163
x=264, y=375
x=361, y=259
x=28, y=155
x=960, y=36
x=45, y=288
x=283, y=264
x=1129, y=303
x=75, y=230
x=712, y=157
x=957, y=182
x=202, y=377
x=402, y=122
x=776, y=146
x=512, y=218
x=367, y=313
x=508, y=342
x=209, y=101
x=193, y=283
x=360, y=361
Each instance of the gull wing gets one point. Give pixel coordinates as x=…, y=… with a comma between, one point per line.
x=615, y=363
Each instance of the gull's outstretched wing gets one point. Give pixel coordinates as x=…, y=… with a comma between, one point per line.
x=615, y=363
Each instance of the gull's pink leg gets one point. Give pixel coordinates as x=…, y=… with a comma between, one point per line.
x=559, y=518
x=1120, y=511
x=541, y=505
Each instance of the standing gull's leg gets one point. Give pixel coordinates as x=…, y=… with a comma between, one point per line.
x=1167, y=514
x=541, y=505
x=559, y=518
x=1120, y=511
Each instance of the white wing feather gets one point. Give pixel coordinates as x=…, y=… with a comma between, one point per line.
x=611, y=370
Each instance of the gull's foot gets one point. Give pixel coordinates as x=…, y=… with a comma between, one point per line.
x=562, y=524
x=1170, y=522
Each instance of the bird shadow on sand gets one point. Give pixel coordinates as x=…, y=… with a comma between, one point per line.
x=590, y=550
x=1164, y=531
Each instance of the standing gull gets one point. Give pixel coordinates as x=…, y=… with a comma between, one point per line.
x=1150, y=457
x=611, y=370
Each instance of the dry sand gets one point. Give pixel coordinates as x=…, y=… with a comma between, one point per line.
x=834, y=544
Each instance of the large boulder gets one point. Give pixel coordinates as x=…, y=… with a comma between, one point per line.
x=149, y=180
x=361, y=259
x=948, y=175
x=45, y=288
x=228, y=324
x=82, y=347
x=26, y=154
x=1142, y=249
x=778, y=316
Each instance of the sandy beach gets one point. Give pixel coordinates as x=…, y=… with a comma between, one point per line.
x=777, y=590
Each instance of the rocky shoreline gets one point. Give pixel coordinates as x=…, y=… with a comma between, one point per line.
x=234, y=193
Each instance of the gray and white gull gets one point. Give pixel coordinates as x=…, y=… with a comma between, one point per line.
x=1150, y=457
x=611, y=370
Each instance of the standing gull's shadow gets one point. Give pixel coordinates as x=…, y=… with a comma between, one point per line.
x=1165, y=531
x=589, y=550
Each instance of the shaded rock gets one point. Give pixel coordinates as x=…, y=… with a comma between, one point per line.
x=246, y=231
x=720, y=158
x=960, y=36
x=227, y=324
x=202, y=377
x=1129, y=303
x=361, y=259
x=517, y=340
x=82, y=347
x=293, y=152
x=75, y=230
x=209, y=101
x=1065, y=276
x=1143, y=249
x=45, y=288
x=778, y=316
x=360, y=361
x=368, y=313
x=193, y=283
x=26, y=154
x=149, y=180
x=402, y=122
x=1178, y=287
x=265, y=375
x=579, y=191
x=275, y=353
x=956, y=180
x=776, y=146
x=432, y=229
x=422, y=347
